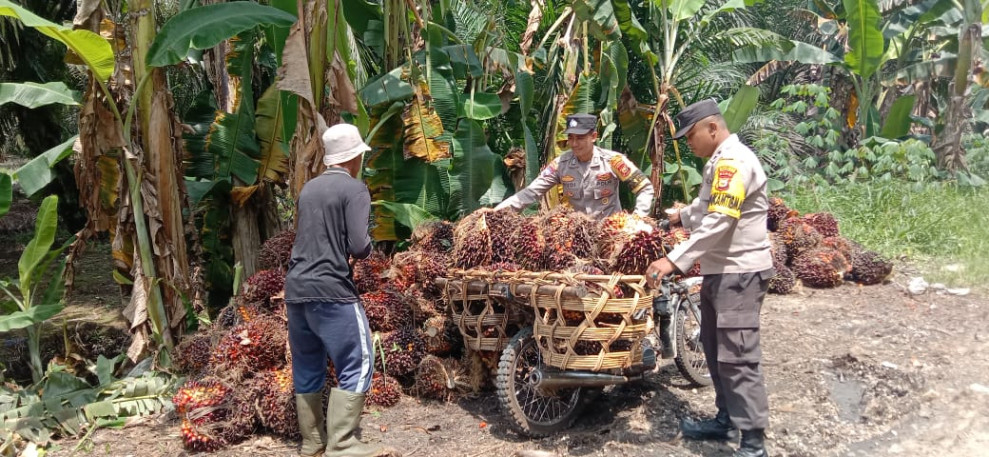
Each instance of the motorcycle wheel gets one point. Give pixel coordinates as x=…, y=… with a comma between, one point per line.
x=690, y=352
x=533, y=411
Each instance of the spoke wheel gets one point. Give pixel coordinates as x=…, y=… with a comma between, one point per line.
x=534, y=412
x=690, y=352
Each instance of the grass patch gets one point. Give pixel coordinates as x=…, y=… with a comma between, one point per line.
x=943, y=229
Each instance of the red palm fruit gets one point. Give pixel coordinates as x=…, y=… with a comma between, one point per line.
x=385, y=391
x=472, y=240
x=277, y=251
x=369, y=273
x=253, y=346
x=530, y=245
x=403, y=350
x=798, y=236
x=777, y=213
x=192, y=354
x=262, y=286
x=276, y=402
x=784, y=281
x=436, y=236
x=869, y=267
x=824, y=223
x=821, y=267
x=386, y=311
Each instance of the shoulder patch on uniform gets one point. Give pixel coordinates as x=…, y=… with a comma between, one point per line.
x=618, y=165
x=727, y=191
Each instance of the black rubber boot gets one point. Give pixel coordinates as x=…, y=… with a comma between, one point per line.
x=719, y=428
x=665, y=326
x=753, y=444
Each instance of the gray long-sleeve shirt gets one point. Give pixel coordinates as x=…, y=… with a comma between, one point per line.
x=727, y=221
x=334, y=211
x=589, y=187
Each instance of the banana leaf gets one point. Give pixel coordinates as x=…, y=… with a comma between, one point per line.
x=864, y=37
x=94, y=51
x=208, y=26
x=36, y=174
x=34, y=95
x=473, y=167
x=898, y=120
x=600, y=15
x=269, y=129
x=423, y=127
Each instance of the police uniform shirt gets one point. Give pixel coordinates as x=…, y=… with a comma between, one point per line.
x=727, y=221
x=590, y=187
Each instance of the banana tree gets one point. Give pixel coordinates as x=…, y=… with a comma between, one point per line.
x=235, y=149
x=96, y=54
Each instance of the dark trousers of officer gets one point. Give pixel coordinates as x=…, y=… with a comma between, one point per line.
x=730, y=305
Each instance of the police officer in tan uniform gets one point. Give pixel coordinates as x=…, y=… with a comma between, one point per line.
x=589, y=175
x=728, y=237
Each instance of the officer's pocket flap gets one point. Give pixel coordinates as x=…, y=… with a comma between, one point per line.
x=738, y=319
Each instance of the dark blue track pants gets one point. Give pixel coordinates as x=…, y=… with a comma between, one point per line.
x=340, y=330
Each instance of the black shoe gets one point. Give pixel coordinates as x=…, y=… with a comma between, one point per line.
x=720, y=428
x=753, y=444
x=664, y=337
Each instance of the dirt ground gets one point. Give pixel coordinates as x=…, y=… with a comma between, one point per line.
x=852, y=371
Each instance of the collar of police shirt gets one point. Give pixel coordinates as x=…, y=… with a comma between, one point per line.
x=732, y=139
x=595, y=154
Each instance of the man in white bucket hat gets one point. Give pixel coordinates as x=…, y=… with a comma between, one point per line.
x=325, y=316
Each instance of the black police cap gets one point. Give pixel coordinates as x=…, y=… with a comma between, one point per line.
x=693, y=114
x=581, y=124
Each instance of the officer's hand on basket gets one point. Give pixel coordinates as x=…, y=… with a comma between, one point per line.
x=657, y=270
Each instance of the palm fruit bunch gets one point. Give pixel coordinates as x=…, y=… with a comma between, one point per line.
x=433, y=236
x=276, y=402
x=403, y=350
x=386, y=311
x=675, y=236
x=503, y=226
x=530, y=245
x=570, y=236
x=212, y=414
x=784, y=281
x=629, y=243
x=262, y=286
x=821, y=267
x=777, y=213
x=798, y=236
x=227, y=317
x=778, y=250
x=436, y=378
x=869, y=268
x=369, y=273
x=251, y=347
x=418, y=269
x=841, y=244
x=277, y=251
x=440, y=335
x=824, y=223
x=385, y=391
x=192, y=354
x=502, y=266
x=472, y=240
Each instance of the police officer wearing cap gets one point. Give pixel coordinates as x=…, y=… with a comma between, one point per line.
x=589, y=175
x=728, y=237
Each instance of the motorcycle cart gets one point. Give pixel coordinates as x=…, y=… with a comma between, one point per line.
x=563, y=337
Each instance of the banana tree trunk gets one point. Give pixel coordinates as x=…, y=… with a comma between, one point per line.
x=947, y=145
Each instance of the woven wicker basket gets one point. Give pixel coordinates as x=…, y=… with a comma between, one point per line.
x=578, y=322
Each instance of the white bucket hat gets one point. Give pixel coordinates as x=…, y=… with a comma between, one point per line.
x=342, y=142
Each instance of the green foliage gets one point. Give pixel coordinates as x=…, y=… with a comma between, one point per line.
x=30, y=310
x=933, y=224
x=976, y=148
x=209, y=25
x=6, y=193
x=34, y=95
x=67, y=405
